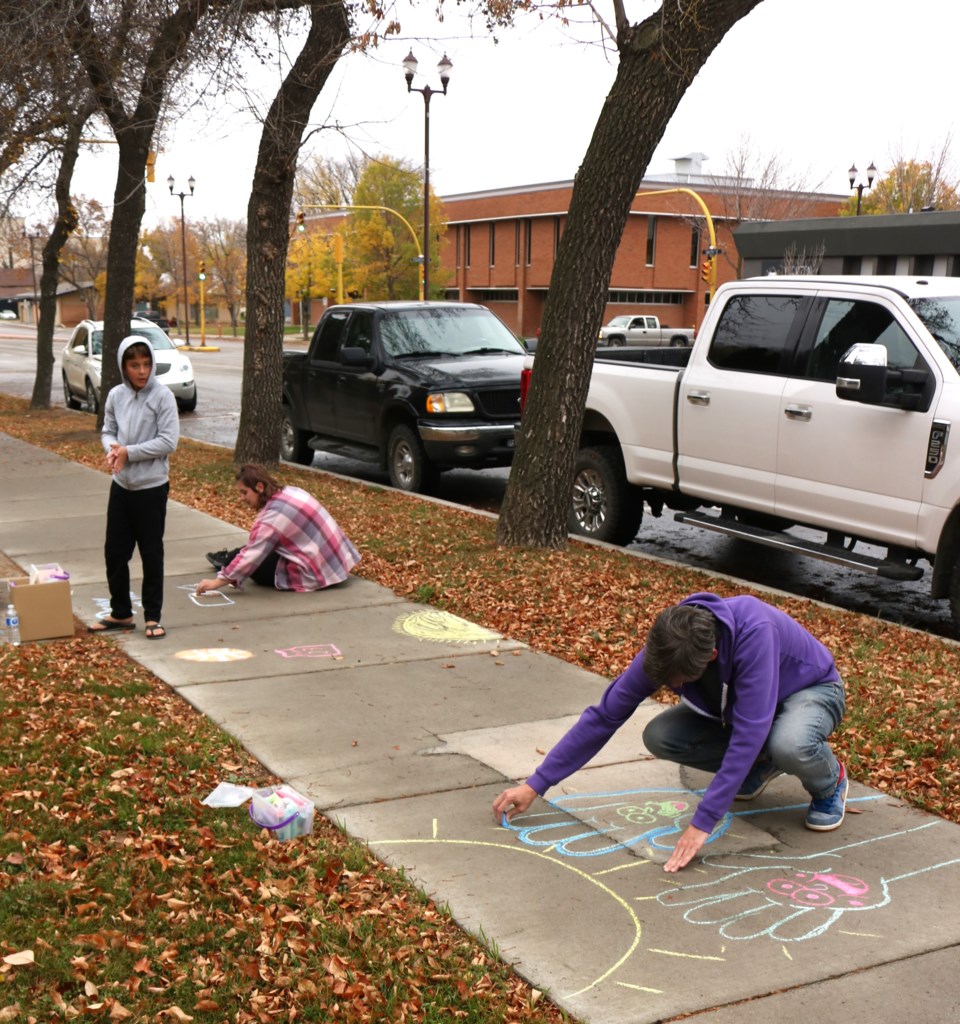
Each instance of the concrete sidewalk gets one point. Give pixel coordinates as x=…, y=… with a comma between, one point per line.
x=403, y=722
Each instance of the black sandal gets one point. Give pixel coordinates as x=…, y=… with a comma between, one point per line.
x=109, y=625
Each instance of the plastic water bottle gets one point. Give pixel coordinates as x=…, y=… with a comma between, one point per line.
x=11, y=626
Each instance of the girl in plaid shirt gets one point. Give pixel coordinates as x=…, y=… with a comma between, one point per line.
x=295, y=544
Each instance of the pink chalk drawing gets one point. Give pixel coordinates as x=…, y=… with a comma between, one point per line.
x=813, y=889
x=310, y=651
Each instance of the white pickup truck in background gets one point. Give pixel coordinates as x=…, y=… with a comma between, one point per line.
x=643, y=330
x=805, y=401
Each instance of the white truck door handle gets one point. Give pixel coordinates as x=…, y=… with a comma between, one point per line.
x=798, y=412
x=699, y=397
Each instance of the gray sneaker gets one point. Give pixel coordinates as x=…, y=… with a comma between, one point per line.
x=761, y=775
x=827, y=814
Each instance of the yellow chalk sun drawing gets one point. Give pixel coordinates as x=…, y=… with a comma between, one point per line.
x=214, y=654
x=442, y=627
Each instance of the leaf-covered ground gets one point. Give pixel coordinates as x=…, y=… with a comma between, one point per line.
x=153, y=906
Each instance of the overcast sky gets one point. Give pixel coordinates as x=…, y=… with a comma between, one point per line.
x=822, y=83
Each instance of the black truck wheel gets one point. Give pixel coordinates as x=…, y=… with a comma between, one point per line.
x=294, y=443
x=407, y=461
x=604, y=506
x=955, y=596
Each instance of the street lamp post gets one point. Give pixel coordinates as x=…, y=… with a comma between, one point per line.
x=409, y=70
x=191, y=182
x=871, y=174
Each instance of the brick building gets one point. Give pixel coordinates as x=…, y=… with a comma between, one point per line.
x=500, y=245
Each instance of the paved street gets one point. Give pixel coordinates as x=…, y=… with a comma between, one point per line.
x=216, y=420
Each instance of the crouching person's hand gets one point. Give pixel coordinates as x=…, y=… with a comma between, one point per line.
x=513, y=801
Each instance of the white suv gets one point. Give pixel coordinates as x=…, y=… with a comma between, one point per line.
x=80, y=362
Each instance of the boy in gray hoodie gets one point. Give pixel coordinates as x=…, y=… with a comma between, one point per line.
x=141, y=428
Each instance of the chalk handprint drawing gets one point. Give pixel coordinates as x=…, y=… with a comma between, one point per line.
x=789, y=899
x=644, y=816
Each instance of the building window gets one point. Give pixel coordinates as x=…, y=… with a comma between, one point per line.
x=922, y=265
x=456, y=245
x=886, y=264
x=642, y=297
x=651, y=239
x=528, y=229
x=694, y=246
x=493, y=243
x=516, y=242
x=851, y=265
x=495, y=294
x=556, y=236
x=466, y=245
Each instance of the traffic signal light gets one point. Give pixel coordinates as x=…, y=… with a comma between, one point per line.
x=203, y=271
x=338, y=248
x=706, y=270
x=300, y=219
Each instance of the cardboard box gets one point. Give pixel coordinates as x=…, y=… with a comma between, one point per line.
x=44, y=609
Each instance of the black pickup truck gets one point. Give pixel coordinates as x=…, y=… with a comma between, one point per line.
x=416, y=387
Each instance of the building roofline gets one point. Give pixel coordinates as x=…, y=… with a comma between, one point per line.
x=907, y=234
x=707, y=182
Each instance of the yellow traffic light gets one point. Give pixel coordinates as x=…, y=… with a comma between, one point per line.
x=203, y=271
x=338, y=248
x=706, y=270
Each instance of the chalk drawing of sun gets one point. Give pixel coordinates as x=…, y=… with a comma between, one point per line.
x=215, y=654
x=442, y=627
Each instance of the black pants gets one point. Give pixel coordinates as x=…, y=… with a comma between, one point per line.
x=264, y=573
x=135, y=519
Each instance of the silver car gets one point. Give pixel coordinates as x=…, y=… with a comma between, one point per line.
x=80, y=363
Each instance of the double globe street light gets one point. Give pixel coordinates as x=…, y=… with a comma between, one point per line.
x=409, y=70
x=191, y=182
x=871, y=174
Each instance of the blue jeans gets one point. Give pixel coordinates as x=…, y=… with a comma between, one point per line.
x=796, y=744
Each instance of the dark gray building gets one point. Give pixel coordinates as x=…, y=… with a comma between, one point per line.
x=925, y=244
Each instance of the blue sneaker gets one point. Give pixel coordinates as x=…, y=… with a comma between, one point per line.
x=761, y=775
x=827, y=814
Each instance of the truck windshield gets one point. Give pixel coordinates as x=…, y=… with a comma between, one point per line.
x=446, y=330
x=941, y=317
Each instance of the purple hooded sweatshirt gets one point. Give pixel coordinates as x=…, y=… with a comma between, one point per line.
x=763, y=656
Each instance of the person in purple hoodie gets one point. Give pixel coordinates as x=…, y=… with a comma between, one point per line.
x=759, y=697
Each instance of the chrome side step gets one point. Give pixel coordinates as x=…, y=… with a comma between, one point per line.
x=884, y=568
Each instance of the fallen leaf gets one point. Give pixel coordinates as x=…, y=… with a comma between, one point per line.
x=25, y=956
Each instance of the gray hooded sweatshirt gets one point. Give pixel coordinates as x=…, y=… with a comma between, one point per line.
x=146, y=422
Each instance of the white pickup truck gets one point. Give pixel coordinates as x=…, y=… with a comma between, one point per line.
x=825, y=402
x=643, y=330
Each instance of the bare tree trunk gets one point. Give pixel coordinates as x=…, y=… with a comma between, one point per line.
x=268, y=219
x=129, y=203
x=659, y=58
x=133, y=130
x=63, y=227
